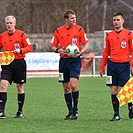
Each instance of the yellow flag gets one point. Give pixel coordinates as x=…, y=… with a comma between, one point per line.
x=6, y=57
x=125, y=95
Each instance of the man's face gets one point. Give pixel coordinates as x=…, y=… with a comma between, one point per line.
x=118, y=22
x=10, y=24
x=71, y=19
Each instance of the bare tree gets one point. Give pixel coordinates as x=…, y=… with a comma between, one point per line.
x=44, y=16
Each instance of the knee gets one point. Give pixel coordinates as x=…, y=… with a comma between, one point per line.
x=66, y=89
x=4, y=85
x=74, y=87
x=114, y=91
x=20, y=88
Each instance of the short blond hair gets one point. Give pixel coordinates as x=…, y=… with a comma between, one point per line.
x=11, y=16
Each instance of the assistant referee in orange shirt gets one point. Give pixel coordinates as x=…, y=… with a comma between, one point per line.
x=18, y=42
x=119, y=46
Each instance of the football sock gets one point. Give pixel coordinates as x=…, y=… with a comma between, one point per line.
x=21, y=98
x=115, y=104
x=68, y=99
x=3, y=99
x=75, y=96
x=130, y=105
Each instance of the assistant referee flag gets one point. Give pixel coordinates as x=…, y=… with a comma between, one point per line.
x=6, y=57
x=125, y=95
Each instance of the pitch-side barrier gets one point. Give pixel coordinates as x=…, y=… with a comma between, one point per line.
x=46, y=65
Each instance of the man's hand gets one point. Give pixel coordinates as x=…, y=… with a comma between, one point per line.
x=75, y=56
x=17, y=51
x=62, y=51
x=131, y=69
x=101, y=73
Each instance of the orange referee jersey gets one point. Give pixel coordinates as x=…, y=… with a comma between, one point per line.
x=17, y=40
x=118, y=46
x=63, y=36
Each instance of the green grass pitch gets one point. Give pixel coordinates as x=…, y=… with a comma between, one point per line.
x=45, y=109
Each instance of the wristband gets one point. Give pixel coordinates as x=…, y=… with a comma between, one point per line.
x=56, y=51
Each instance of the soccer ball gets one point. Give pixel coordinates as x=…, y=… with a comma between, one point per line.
x=72, y=50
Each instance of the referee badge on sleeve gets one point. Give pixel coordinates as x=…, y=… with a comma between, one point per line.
x=109, y=80
x=61, y=77
x=28, y=41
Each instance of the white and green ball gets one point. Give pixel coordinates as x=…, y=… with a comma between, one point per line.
x=72, y=50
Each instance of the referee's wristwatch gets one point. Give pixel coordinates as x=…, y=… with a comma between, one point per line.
x=56, y=51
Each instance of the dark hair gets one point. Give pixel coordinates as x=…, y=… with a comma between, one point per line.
x=67, y=12
x=118, y=14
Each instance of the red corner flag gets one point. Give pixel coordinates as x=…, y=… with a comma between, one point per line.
x=6, y=57
x=125, y=95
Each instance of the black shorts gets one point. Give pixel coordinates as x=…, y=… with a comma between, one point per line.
x=117, y=73
x=69, y=68
x=14, y=72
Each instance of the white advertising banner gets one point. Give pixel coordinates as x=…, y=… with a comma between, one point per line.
x=42, y=62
